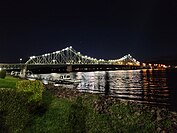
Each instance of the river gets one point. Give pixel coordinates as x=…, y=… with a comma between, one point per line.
x=158, y=87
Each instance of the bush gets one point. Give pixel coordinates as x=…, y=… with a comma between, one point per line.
x=34, y=87
x=41, y=107
x=2, y=74
x=13, y=110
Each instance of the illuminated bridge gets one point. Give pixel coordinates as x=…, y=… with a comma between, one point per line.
x=71, y=56
x=69, y=59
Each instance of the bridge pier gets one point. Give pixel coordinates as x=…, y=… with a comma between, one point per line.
x=23, y=71
x=69, y=68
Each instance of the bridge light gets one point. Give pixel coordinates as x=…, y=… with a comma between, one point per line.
x=32, y=57
x=45, y=55
x=70, y=47
x=0, y=68
x=78, y=53
x=53, y=61
x=144, y=64
x=138, y=62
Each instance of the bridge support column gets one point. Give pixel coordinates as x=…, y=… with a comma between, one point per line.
x=23, y=71
x=69, y=68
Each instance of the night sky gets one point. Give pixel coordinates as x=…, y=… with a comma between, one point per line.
x=106, y=29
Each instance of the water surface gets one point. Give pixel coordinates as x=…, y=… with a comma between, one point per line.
x=145, y=86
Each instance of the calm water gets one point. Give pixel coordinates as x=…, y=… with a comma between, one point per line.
x=146, y=86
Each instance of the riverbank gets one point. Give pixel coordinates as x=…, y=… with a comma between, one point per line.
x=108, y=114
x=68, y=110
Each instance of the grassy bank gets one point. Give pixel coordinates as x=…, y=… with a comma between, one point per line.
x=8, y=82
x=70, y=111
x=65, y=110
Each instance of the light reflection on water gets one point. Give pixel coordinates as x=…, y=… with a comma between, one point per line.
x=140, y=85
x=149, y=86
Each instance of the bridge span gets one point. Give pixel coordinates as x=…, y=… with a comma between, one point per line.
x=64, y=67
x=68, y=59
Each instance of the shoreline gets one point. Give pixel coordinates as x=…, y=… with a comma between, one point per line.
x=102, y=104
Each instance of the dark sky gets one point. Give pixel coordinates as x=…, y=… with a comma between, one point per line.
x=106, y=29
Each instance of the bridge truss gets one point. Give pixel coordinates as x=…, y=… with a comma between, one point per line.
x=126, y=60
x=71, y=56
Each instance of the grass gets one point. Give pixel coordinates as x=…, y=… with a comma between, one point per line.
x=8, y=82
x=67, y=116
x=55, y=119
x=89, y=113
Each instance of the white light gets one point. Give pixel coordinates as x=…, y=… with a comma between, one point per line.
x=0, y=68
x=70, y=47
x=32, y=57
x=20, y=59
x=45, y=55
x=78, y=53
x=144, y=64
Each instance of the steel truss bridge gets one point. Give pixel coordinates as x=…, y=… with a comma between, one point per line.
x=69, y=58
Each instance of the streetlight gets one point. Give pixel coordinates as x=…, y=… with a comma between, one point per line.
x=21, y=60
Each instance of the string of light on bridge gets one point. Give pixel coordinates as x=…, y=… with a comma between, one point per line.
x=70, y=56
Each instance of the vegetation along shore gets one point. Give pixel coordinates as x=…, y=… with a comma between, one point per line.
x=30, y=106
